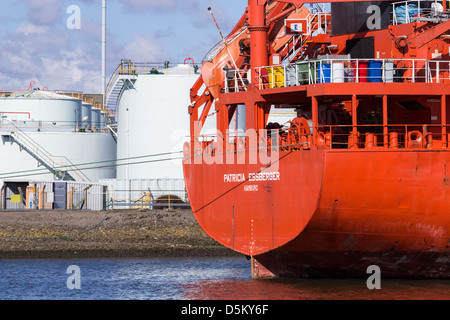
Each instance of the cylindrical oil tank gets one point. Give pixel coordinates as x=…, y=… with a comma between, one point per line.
x=103, y=116
x=86, y=115
x=96, y=115
x=51, y=112
x=152, y=120
x=82, y=153
x=38, y=136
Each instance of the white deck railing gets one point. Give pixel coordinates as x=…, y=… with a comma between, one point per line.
x=341, y=71
x=417, y=10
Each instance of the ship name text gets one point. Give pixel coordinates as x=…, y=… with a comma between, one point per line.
x=252, y=177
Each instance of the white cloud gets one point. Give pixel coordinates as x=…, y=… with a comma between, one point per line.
x=160, y=6
x=196, y=11
x=144, y=49
x=41, y=48
x=44, y=12
x=28, y=28
x=53, y=57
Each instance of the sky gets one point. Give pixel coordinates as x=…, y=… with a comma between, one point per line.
x=45, y=42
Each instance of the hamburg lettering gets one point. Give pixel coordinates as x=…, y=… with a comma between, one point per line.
x=251, y=188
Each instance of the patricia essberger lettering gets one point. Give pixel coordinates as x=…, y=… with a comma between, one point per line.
x=264, y=176
x=240, y=177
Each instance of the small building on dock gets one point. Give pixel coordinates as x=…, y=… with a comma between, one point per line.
x=52, y=195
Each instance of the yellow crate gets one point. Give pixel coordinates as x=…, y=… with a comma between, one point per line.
x=276, y=77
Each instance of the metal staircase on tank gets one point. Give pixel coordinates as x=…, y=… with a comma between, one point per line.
x=113, y=130
x=61, y=167
x=124, y=72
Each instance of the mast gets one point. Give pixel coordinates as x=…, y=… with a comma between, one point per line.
x=259, y=57
x=258, y=36
x=104, y=50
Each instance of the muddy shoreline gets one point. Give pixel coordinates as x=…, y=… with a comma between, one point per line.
x=106, y=234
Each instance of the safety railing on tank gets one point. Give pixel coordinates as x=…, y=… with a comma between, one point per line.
x=44, y=94
x=49, y=126
x=146, y=68
x=129, y=68
x=342, y=71
x=53, y=94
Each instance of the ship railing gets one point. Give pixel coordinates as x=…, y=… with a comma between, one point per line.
x=418, y=10
x=350, y=71
x=315, y=23
x=319, y=23
x=364, y=137
x=375, y=136
x=236, y=80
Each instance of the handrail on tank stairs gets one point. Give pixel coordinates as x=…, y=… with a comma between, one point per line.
x=44, y=156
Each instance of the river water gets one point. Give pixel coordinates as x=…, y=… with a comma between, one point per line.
x=188, y=280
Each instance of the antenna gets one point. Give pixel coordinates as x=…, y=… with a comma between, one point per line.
x=226, y=46
x=104, y=52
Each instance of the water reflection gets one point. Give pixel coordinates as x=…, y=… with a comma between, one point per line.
x=316, y=289
x=191, y=279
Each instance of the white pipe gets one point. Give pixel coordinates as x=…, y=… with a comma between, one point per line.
x=104, y=50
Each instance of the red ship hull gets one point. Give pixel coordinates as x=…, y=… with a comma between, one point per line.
x=331, y=213
x=362, y=174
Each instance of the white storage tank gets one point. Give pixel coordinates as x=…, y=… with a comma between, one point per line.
x=86, y=115
x=42, y=107
x=103, y=115
x=96, y=116
x=152, y=119
x=40, y=139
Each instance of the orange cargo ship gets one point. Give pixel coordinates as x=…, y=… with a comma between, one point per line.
x=361, y=176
